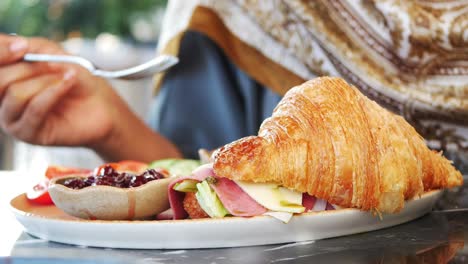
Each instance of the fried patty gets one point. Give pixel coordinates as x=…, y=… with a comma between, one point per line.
x=192, y=207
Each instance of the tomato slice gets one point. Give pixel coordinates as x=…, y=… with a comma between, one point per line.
x=125, y=165
x=131, y=165
x=39, y=194
x=54, y=171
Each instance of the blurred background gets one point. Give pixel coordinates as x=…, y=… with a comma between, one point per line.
x=113, y=34
x=62, y=19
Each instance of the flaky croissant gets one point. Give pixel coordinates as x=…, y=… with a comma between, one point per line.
x=329, y=140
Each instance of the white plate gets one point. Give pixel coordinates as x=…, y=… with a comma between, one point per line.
x=48, y=222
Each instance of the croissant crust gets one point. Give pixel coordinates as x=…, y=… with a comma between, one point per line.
x=329, y=140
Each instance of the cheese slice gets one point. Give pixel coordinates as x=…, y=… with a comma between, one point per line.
x=273, y=197
x=282, y=216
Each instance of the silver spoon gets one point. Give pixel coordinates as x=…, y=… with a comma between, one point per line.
x=147, y=69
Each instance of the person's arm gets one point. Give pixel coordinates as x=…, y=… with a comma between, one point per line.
x=131, y=138
x=64, y=105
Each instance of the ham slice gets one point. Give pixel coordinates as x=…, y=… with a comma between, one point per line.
x=176, y=198
x=234, y=199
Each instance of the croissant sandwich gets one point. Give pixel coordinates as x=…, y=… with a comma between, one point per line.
x=325, y=146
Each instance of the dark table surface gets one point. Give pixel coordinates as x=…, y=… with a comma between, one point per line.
x=438, y=237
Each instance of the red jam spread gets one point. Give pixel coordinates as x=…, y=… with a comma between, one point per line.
x=110, y=177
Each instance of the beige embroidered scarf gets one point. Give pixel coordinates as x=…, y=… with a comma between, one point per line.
x=409, y=56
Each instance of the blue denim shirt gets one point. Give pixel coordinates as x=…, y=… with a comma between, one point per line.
x=206, y=101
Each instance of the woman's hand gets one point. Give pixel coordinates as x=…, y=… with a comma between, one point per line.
x=50, y=104
x=63, y=104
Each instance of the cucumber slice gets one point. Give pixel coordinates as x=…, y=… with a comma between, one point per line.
x=209, y=201
x=186, y=186
x=177, y=167
x=163, y=163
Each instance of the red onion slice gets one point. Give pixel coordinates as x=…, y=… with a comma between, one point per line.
x=202, y=172
x=308, y=201
x=166, y=215
x=330, y=207
x=320, y=205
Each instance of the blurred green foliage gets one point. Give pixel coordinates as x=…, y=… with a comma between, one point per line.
x=57, y=18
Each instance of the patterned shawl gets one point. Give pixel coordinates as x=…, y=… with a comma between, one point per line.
x=409, y=56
